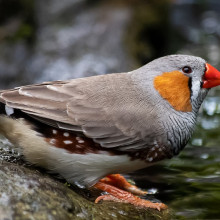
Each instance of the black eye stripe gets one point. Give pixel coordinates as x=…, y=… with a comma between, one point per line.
x=190, y=85
x=187, y=69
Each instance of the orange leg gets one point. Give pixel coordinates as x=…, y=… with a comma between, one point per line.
x=119, y=181
x=119, y=195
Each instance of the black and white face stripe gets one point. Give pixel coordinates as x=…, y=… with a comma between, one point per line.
x=190, y=85
x=197, y=93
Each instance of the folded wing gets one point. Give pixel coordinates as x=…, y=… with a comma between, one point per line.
x=106, y=108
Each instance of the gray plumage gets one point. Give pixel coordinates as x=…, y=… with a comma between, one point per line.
x=122, y=111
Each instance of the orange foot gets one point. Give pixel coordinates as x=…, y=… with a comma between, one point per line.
x=119, y=181
x=119, y=195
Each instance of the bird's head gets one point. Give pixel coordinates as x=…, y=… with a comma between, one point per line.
x=183, y=80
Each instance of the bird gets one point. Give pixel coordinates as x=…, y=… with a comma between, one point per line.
x=91, y=130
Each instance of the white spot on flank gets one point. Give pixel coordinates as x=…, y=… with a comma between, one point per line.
x=77, y=146
x=155, y=155
x=54, y=131
x=67, y=142
x=153, y=149
x=52, y=141
x=9, y=110
x=81, y=141
x=66, y=134
x=160, y=149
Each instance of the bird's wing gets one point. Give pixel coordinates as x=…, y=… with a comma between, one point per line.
x=106, y=108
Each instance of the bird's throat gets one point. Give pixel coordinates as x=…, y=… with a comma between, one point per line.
x=173, y=86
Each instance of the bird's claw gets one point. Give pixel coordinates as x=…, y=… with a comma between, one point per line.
x=119, y=195
x=140, y=203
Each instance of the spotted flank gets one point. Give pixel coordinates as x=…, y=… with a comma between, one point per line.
x=77, y=143
x=70, y=141
x=56, y=137
x=54, y=131
x=66, y=134
x=154, y=153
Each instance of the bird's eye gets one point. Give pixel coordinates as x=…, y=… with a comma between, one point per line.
x=187, y=69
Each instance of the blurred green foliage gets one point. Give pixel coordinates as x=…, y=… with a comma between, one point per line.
x=17, y=20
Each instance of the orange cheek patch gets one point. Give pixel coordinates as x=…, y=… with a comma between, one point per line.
x=173, y=86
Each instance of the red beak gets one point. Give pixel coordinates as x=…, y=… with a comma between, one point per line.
x=211, y=77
